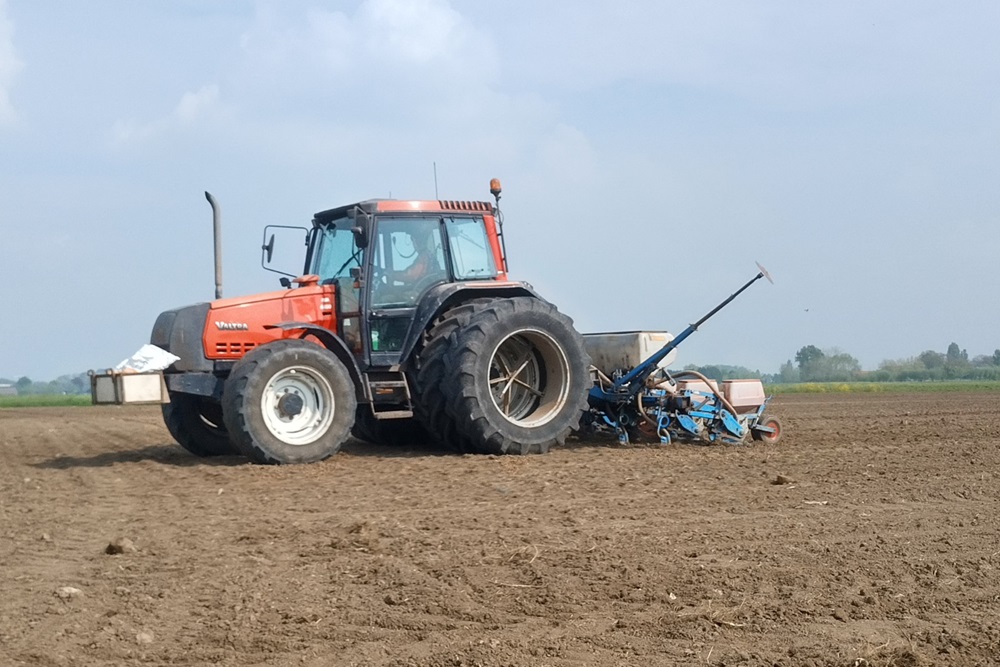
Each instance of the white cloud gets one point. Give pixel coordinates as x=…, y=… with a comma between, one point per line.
x=306, y=84
x=417, y=32
x=385, y=47
x=197, y=105
x=414, y=77
x=202, y=106
x=10, y=65
x=776, y=52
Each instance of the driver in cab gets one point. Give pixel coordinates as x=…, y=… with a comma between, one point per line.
x=427, y=261
x=404, y=286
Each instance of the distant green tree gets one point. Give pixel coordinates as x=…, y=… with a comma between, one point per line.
x=842, y=366
x=895, y=366
x=23, y=384
x=956, y=356
x=996, y=357
x=833, y=365
x=720, y=372
x=711, y=372
x=811, y=361
x=931, y=359
x=788, y=372
x=808, y=355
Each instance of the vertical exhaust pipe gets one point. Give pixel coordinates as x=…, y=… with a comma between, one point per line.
x=217, y=229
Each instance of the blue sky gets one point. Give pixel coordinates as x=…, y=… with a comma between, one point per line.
x=650, y=153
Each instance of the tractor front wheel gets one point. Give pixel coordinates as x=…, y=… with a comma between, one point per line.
x=196, y=424
x=517, y=377
x=290, y=401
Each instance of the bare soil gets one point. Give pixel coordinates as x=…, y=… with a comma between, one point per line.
x=869, y=536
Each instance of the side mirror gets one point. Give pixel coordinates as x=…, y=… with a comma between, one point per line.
x=285, y=253
x=268, y=249
x=285, y=282
x=362, y=225
x=360, y=237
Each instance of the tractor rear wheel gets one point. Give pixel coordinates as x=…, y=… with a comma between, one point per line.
x=196, y=424
x=517, y=378
x=766, y=437
x=290, y=401
x=431, y=400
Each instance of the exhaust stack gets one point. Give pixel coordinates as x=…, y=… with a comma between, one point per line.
x=217, y=230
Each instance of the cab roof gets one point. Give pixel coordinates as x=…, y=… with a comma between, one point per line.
x=405, y=206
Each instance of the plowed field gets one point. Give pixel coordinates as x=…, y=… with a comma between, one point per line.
x=869, y=536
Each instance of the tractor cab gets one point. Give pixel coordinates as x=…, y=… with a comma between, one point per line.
x=386, y=258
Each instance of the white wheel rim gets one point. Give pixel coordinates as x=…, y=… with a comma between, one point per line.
x=297, y=405
x=529, y=378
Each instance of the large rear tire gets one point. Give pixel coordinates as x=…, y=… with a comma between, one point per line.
x=290, y=401
x=430, y=404
x=196, y=424
x=517, y=378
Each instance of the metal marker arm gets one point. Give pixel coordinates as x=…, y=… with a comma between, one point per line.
x=640, y=373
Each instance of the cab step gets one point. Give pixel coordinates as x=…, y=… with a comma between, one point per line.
x=392, y=414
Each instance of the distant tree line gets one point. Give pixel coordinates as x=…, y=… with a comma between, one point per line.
x=953, y=364
x=722, y=372
x=64, y=384
x=814, y=365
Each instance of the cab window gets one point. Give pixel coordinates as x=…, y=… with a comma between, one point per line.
x=335, y=254
x=408, y=258
x=472, y=255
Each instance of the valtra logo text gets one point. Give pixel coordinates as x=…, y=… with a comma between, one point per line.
x=232, y=326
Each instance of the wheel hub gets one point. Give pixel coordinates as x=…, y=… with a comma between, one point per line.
x=290, y=405
x=298, y=405
x=529, y=378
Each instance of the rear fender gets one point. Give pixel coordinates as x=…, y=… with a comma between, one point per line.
x=335, y=344
x=443, y=297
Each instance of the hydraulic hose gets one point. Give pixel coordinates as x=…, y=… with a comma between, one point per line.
x=715, y=391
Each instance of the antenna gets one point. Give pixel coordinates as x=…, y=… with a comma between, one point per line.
x=435, y=180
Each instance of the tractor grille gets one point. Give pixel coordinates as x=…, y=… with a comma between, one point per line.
x=233, y=349
x=179, y=331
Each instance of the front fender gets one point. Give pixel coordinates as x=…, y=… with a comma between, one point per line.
x=332, y=342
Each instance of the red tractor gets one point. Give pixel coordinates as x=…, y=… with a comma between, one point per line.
x=404, y=326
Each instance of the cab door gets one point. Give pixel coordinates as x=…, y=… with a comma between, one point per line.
x=408, y=257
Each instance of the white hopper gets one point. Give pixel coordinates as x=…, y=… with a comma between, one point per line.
x=624, y=350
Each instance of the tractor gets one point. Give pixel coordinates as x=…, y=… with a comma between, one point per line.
x=403, y=325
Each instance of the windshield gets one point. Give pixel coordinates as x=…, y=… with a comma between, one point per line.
x=334, y=252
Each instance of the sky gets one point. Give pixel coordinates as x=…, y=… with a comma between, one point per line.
x=650, y=153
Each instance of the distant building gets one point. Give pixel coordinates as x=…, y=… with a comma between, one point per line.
x=8, y=390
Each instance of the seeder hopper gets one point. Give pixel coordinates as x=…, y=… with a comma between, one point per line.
x=646, y=402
